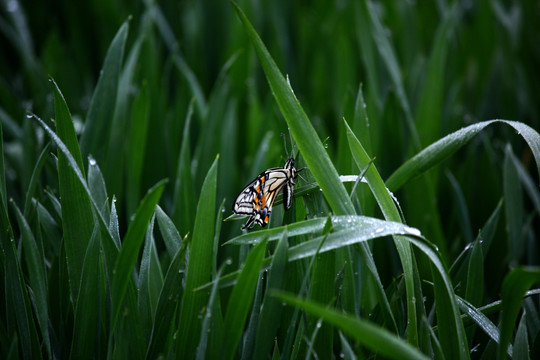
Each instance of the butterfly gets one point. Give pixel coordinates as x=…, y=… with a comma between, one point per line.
x=257, y=198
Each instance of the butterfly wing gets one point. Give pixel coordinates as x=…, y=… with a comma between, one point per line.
x=257, y=198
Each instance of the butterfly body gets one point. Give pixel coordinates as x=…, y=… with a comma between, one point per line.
x=257, y=198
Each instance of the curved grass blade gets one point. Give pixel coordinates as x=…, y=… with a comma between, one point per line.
x=129, y=252
x=87, y=315
x=199, y=266
x=481, y=320
x=34, y=256
x=513, y=288
x=391, y=213
x=170, y=235
x=102, y=105
x=115, y=166
x=379, y=340
x=301, y=129
x=136, y=148
x=443, y=148
x=150, y=282
x=34, y=178
x=18, y=301
x=167, y=304
x=77, y=216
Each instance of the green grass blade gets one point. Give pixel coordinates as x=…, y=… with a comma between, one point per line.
x=430, y=103
x=98, y=118
x=18, y=304
x=170, y=235
x=87, y=315
x=5, y=224
x=77, y=217
x=513, y=206
x=390, y=60
x=513, y=288
x=168, y=36
x=115, y=165
x=206, y=326
x=199, y=265
x=150, y=282
x=34, y=179
x=136, y=148
x=34, y=259
x=391, y=213
x=443, y=148
x=269, y=318
x=240, y=300
x=184, y=191
x=479, y=318
x=97, y=187
x=131, y=244
x=167, y=304
x=474, y=290
x=366, y=333
x=521, y=343
x=301, y=129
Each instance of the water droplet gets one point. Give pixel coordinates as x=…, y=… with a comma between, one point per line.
x=92, y=162
x=413, y=231
x=29, y=116
x=379, y=230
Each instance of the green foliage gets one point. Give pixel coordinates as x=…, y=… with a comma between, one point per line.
x=121, y=140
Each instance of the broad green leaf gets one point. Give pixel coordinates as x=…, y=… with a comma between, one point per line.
x=240, y=300
x=199, y=266
x=379, y=340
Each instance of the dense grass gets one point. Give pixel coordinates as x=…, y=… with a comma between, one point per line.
x=128, y=128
